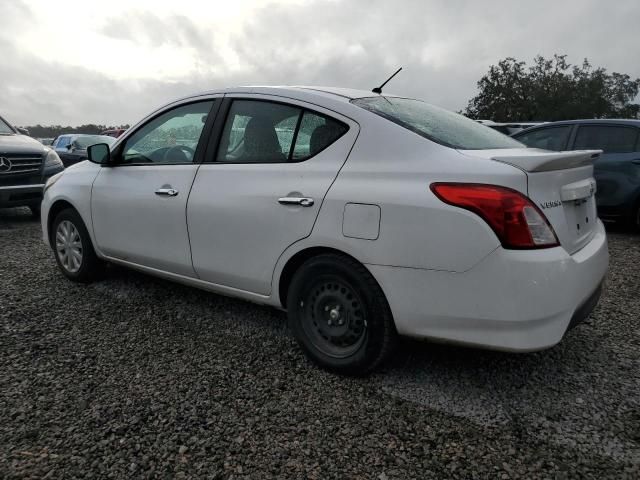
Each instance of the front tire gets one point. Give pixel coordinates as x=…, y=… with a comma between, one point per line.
x=73, y=249
x=339, y=315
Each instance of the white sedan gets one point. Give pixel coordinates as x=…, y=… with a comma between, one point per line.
x=364, y=216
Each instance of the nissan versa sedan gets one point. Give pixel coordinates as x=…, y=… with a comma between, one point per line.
x=364, y=216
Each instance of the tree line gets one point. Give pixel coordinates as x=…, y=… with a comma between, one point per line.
x=552, y=89
x=52, y=131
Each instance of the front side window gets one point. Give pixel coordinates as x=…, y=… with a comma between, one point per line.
x=549, y=138
x=436, y=124
x=170, y=138
x=266, y=132
x=610, y=139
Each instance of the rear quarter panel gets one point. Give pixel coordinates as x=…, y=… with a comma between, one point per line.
x=393, y=168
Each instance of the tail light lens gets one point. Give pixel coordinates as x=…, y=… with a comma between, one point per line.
x=516, y=220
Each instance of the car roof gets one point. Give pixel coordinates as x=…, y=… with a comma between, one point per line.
x=336, y=93
x=591, y=121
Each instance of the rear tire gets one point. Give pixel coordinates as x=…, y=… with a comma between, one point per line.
x=73, y=249
x=340, y=316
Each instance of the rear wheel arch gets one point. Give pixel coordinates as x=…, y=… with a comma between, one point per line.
x=296, y=261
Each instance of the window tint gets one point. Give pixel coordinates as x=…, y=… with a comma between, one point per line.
x=550, y=138
x=610, y=139
x=258, y=132
x=436, y=124
x=267, y=132
x=171, y=138
x=316, y=133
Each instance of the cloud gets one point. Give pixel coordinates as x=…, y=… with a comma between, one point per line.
x=152, y=29
x=444, y=47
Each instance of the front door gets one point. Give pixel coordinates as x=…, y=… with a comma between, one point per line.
x=262, y=189
x=139, y=204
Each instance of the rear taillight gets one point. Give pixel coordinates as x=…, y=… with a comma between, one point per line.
x=514, y=218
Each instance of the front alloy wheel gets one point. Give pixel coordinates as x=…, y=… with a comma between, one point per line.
x=69, y=246
x=73, y=249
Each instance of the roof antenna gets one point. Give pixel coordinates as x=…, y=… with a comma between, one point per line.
x=379, y=89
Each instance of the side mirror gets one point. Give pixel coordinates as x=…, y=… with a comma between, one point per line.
x=22, y=131
x=99, y=153
x=69, y=147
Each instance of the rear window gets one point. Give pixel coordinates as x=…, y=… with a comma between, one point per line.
x=437, y=124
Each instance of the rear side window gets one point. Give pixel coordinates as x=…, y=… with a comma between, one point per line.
x=550, y=138
x=266, y=132
x=610, y=139
x=316, y=133
x=437, y=124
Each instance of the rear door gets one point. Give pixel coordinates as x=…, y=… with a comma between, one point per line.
x=617, y=171
x=261, y=186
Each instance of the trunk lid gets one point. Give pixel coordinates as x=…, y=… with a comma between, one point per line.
x=562, y=186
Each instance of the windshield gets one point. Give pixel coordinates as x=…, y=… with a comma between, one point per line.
x=86, y=142
x=436, y=124
x=5, y=128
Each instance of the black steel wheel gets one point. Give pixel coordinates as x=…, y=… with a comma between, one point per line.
x=339, y=315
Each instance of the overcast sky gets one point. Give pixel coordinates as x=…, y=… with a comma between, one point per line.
x=111, y=62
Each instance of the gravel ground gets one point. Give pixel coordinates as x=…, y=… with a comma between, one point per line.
x=135, y=377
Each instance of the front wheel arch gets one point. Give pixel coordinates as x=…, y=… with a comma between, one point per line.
x=56, y=208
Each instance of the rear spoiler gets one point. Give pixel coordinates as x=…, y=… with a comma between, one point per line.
x=543, y=161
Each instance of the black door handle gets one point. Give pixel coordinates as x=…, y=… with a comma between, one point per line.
x=636, y=161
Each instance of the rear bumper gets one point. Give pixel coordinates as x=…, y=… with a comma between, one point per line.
x=512, y=300
x=21, y=195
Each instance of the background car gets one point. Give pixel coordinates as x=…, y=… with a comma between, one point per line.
x=72, y=148
x=508, y=128
x=25, y=166
x=115, y=133
x=617, y=171
x=364, y=216
x=46, y=141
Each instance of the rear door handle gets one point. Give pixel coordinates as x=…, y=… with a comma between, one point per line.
x=636, y=161
x=303, y=201
x=167, y=192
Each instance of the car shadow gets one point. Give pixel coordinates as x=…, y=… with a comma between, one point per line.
x=14, y=217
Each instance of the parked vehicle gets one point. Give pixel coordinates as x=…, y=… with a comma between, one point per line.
x=73, y=148
x=25, y=165
x=364, y=216
x=509, y=128
x=617, y=171
x=115, y=133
